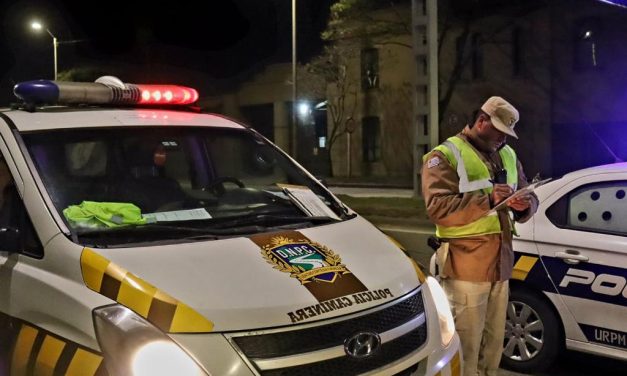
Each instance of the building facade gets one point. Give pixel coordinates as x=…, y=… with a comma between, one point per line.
x=559, y=62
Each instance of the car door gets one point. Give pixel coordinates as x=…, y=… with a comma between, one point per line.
x=46, y=324
x=581, y=235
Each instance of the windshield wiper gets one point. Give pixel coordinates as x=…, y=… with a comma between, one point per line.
x=219, y=228
x=147, y=228
x=267, y=220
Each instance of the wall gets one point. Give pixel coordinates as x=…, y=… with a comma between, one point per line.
x=272, y=86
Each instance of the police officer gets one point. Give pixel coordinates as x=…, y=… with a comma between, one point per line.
x=462, y=180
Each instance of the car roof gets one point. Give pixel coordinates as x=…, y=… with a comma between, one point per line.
x=60, y=117
x=547, y=189
x=602, y=169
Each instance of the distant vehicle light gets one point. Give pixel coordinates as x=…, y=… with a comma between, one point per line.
x=107, y=91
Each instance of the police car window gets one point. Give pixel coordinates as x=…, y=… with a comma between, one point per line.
x=599, y=207
x=13, y=215
x=211, y=172
x=244, y=157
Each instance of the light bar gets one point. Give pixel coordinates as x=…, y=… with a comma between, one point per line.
x=103, y=92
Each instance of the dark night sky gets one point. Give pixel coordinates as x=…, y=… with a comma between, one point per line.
x=176, y=42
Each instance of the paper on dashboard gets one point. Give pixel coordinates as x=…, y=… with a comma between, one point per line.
x=177, y=215
x=308, y=201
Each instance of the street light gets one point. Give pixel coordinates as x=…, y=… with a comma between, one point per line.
x=294, y=120
x=37, y=26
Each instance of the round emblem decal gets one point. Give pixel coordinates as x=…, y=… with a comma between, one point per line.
x=362, y=345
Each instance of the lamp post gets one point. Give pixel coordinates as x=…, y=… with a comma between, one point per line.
x=38, y=26
x=294, y=119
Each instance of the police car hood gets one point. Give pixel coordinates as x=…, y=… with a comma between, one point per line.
x=276, y=279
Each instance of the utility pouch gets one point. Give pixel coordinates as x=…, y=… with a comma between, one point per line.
x=441, y=255
x=438, y=260
x=433, y=242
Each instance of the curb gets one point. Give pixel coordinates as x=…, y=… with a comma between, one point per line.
x=368, y=185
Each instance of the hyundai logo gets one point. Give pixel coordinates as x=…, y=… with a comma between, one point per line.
x=362, y=345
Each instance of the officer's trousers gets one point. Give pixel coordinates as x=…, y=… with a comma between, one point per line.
x=479, y=309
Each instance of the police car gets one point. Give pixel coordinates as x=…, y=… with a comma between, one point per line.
x=569, y=285
x=140, y=238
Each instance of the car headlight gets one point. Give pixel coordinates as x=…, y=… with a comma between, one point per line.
x=132, y=346
x=445, y=317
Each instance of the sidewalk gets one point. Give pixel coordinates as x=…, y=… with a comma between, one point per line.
x=371, y=182
x=370, y=191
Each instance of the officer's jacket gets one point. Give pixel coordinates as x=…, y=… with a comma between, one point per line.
x=477, y=258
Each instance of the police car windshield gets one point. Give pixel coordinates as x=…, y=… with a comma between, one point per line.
x=107, y=178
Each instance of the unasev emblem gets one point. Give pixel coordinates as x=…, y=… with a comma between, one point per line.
x=305, y=260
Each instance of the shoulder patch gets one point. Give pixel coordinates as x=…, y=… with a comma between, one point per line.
x=434, y=161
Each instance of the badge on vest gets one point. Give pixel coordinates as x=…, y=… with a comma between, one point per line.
x=433, y=162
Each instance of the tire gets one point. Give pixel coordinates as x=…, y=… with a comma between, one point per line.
x=533, y=335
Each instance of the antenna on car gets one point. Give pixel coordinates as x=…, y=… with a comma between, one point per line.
x=609, y=150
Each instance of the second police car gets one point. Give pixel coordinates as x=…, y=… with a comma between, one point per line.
x=144, y=241
x=569, y=286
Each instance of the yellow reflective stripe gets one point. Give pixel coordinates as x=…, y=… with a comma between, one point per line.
x=485, y=225
x=162, y=296
x=136, y=294
x=48, y=356
x=22, y=350
x=523, y=266
x=84, y=363
x=456, y=368
x=188, y=320
x=156, y=306
x=421, y=276
x=93, y=267
x=115, y=272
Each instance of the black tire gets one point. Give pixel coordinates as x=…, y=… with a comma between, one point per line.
x=533, y=334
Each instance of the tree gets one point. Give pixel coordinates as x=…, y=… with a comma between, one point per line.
x=383, y=22
x=358, y=19
x=329, y=75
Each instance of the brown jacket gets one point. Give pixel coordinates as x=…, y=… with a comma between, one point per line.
x=478, y=258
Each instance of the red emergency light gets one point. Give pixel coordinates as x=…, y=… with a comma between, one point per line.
x=167, y=94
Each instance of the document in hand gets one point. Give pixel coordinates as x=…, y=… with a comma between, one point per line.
x=528, y=189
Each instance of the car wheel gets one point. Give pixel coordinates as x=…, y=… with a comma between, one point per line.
x=533, y=337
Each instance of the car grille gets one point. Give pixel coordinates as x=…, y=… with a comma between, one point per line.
x=297, y=342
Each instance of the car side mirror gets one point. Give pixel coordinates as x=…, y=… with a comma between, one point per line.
x=9, y=239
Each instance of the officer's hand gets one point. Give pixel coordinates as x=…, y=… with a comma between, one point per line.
x=500, y=192
x=521, y=202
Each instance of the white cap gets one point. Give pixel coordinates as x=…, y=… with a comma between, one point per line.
x=503, y=115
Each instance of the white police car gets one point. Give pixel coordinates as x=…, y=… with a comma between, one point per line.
x=145, y=241
x=569, y=286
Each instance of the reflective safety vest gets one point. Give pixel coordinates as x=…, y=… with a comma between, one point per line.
x=93, y=214
x=474, y=176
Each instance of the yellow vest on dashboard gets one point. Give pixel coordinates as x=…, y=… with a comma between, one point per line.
x=474, y=176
